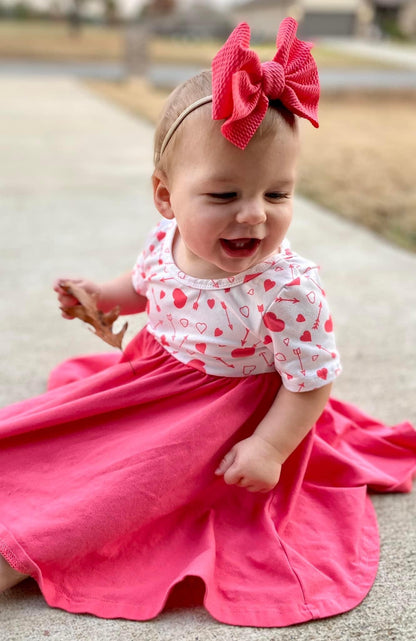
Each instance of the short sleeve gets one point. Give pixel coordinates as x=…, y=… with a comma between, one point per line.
x=298, y=327
x=151, y=254
x=138, y=276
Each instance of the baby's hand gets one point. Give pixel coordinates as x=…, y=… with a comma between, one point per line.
x=252, y=463
x=65, y=300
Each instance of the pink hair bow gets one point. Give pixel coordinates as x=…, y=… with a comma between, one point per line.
x=242, y=86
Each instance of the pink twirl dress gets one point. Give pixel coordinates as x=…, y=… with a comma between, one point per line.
x=108, y=497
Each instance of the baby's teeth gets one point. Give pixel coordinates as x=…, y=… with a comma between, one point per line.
x=239, y=244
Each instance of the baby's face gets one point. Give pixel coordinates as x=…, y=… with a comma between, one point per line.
x=232, y=207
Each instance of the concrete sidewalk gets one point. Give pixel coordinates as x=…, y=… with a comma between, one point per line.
x=75, y=199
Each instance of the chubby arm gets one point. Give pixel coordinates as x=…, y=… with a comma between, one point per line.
x=255, y=463
x=119, y=291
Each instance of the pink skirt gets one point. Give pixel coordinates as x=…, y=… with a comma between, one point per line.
x=108, y=497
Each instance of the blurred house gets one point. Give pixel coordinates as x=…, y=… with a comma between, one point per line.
x=394, y=17
x=198, y=21
x=264, y=15
x=333, y=18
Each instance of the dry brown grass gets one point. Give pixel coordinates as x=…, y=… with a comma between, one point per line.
x=134, y=94
x=41, y=40
x=362, y=161
x=54, y=41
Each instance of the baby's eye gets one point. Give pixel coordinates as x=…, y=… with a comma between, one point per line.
x=276, y=195
x=226, y=195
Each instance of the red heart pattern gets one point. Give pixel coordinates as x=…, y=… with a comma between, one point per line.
x=268, y=284
x=179, y=298
x=241, y=336
x=329, y=325
x=242, y=352
x=273, y=323
x=248, y=369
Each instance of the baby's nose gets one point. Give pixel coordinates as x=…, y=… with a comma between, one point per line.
x=251, y=212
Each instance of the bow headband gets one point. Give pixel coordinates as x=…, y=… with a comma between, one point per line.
x=242, y=86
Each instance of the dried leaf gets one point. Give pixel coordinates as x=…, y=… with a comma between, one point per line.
x=88, y=312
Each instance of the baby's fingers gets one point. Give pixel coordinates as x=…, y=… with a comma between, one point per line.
x=65, y=299
x=61, y=286
x=226, y=463
x=58, y=284
x=234, y=475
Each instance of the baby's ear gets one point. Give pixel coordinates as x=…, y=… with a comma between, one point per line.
x=161, y=194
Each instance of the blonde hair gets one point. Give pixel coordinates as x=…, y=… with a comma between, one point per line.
x=184, y=95
x=188, y=92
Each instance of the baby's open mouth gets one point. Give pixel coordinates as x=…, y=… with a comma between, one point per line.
x=240, y=247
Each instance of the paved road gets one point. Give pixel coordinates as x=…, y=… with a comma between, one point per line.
x=75, y=199
x=402, y=55
x=168, y=76
x=99, y=70
x=333, y=79
x=365, y=77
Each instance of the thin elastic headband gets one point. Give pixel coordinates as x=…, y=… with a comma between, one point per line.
x=180, y=118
